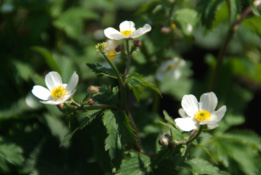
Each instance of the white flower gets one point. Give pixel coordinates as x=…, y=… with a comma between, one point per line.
x=127, y=30
x=110, y=51
x=170, y=68
x=57, y=92
x=196, y=113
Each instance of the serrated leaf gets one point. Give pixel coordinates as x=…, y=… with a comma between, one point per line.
x=201, y=166
x=112, y=142
x=134, y=164
x=234, y=6
x=207, y=11
x=48, y=58
x=127, y=133
x=206, y=151
x=86, y=121
x=100, y=70
x=10, y=156
x=137, y=83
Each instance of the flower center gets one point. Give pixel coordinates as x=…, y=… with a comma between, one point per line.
x=202, y=116
x=111, y=55
x=58, y=93
x=126, y=32
x=170, y=67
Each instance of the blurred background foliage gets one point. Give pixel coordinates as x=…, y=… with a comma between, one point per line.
x=37, y=36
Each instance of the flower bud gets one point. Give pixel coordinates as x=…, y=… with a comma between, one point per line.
x=118, y=48
x=137, y=43
x=90, y=101
x=60, y=106
x=165, y=30
x=93, y=89
x=257, y=3
x=164, y=140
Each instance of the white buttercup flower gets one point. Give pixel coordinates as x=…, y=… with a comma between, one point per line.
x=127, y=30
x=56, y=92
x=170, y=68
x=196, y=113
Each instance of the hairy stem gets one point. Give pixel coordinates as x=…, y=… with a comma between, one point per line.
x=128, y=61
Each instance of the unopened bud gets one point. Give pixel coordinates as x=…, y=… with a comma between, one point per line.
x=60, y=106
x=93, y=89
x=164, y=140
x=137, y=43
x=165, y=30
x=90, y=101
x=118, y=48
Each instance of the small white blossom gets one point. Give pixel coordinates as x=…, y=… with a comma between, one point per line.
x=196, y=113
x=56, y=92
x=170, y=68
x=127, y=30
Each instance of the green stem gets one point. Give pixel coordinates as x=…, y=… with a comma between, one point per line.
x=222, y=51
x=194, y=135
x=128, y=61
x=122, y=89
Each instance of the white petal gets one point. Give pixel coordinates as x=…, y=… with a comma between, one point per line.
x=212, y=126
x=41, y=92
x=220, y=113
x=190, y=104
x=51, y=102
x=113, y=34
x=176, y=74
x=141, y=31
x=186, y=124
x=182, y=113
x=73, y=82
x=52, y=80
x=127, y=25
x=208, y=101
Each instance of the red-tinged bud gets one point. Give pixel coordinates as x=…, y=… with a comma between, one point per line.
x=165, y=30
x=93, y=89
x=60, y=106
x=137, y=43
x=164, y=140
x=118, y=48
x=90, y=101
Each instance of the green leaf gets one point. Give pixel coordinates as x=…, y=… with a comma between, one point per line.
x=201, y=166
x=126, y=131
x=175, y=132
x=10, y=156
x=99, y=70
x=208, y=10
x=234, y=6
x=137, y=83
x=253, y=24
x=134, y=164
x=187, y=19
x=113, y=141
x=71, y=21
x=85, y=122
x=48, y=58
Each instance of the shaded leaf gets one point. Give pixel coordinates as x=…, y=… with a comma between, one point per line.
x=100, y=70
x=134, y=163
x=137, y=83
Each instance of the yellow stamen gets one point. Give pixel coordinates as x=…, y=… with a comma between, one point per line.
x=127, y=32
x=58, y=93
x=202, y=116
x=173, y=26
x=111, y=55
x=170, y=67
